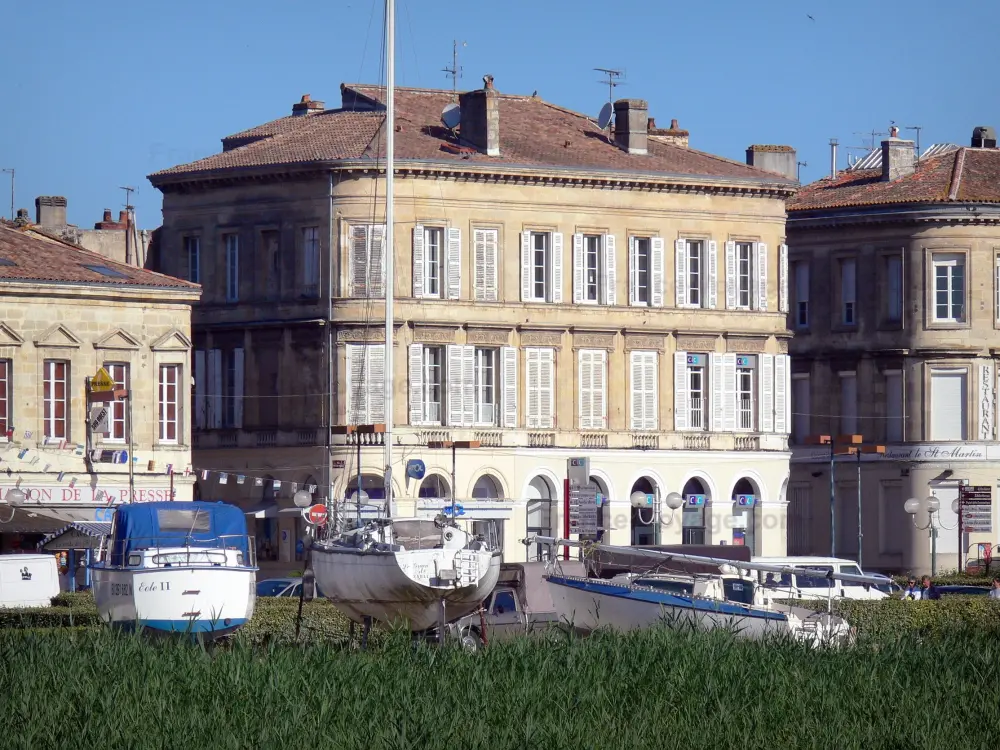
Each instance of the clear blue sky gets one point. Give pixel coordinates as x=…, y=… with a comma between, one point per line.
x=100, y=94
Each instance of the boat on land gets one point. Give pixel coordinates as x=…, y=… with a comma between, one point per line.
x=685, y=590
x=177, y=567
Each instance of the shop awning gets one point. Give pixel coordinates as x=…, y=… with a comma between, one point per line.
x=271, y=510
x=37, y=519
x=78, y=535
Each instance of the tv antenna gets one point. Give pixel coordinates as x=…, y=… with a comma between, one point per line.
x=917, y=128
x=455, y=71
x=871, y=136
x=615, y=78
x=798, y=169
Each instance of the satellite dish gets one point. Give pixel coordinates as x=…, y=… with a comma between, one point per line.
x=605, y=117
x=451, y=116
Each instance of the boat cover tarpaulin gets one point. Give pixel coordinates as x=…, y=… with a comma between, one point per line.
x=607, y=563
x=169, y=524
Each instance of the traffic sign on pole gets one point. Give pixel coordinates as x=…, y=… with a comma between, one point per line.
x=102, y=381
x=315, y=514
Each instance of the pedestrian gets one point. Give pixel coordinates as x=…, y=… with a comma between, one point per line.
x=995, y=592
x=930, y=591
x=912, y=590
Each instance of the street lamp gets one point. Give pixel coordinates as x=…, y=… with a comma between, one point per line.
x=14, y=497
x=930, y=505
x=302, y=499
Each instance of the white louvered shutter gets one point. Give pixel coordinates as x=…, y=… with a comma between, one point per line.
x=713, y=274
x=782, y=386
x=215, y=389
x=761, y=276
x=416, y=384
x=546, y=379
x=681, y=398
x=418, y=261
x=238, y=387
x=680, y=272
x=454, y=262
x=468, y=385
x=717, y=405
x=729, y=392
x=637, y=379
x=656, y=270
x=456, y=391
x=479, y=265
x=357, y=392
x=586, y=386
x=526, y=276
x=731, y=295
x=533, y=387
x=783, y=281
x=633, y=276
x=492, y=237
x=651, y=401
x=577, y=268
x=599, y=403
x=557, y=264
x=376, y=260
x=508, y=386
x=375, y=383
x=610, y=271
x=765, y=398
x=200, y=390
x=359, y=260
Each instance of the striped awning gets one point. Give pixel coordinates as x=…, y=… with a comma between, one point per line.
x=77, y=535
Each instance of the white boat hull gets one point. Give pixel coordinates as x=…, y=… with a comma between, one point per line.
x=210, y=600
x=401, y=587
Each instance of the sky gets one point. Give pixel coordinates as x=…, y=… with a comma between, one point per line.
x=100, y=94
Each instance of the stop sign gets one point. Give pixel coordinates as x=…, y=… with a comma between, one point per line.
x=316, y=514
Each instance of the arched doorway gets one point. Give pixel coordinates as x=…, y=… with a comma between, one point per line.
x=644, y=518
x=487, y=488
x=603, y=506
x=434, y=486
x=538, y=508
x=745, y=499
x=371, y=485
x=693, y=518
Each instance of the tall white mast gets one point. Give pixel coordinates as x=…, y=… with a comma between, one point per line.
x=390, y=142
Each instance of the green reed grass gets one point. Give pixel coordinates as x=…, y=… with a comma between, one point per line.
x=651, y=689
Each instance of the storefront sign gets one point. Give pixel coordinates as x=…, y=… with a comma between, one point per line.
x=909, y=452
x=60, y=494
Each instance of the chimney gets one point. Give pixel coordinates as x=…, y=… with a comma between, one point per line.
x=672, y=135
x=898, y=158
x=779, y=159
x=122, y=217
x=632, y=125
x=50, y=211
x=307, y=106
x=984, y=136
x=480, y=113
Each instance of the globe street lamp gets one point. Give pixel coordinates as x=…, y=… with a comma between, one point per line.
x=13, y=497
x=929, y=505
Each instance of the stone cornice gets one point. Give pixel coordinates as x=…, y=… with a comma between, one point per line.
x=957, y=213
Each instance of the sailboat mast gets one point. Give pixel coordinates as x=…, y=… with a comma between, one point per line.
x=390, y=143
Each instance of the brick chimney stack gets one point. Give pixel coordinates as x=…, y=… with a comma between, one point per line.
x=898, y=159
x=480, y=113
x=307, y=106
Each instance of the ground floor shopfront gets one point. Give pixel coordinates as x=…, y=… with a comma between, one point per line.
x=891, y=540
x=732, y=497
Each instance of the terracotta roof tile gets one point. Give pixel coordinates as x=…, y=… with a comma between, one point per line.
x=27, y=254
x=965, y=174
x=532, y=133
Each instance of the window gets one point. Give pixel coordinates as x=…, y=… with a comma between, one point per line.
x=848, y=403
x=271, y=242
x=106, y=271
x=367, y=247
x=894, y=406
x=428, y=263
x=745, y=390
x=184, y=520
x=485, y=243
x=232, y=414
x=640, y=271
x=365, y=384
x=801, y=406
x=6, y=417
x=996, y=281
x=540, y=387
x=485, y=388
x=690, y=391
x=588, y=268
x=427, y=383
x=116, y=421
x=593, y=389
x=644, y=391
x=169, y=403
x=541, y=267
x=218, y=388
x=310, y=261
x=56, y=398
x=949, y=288
x=948, y=405
x=192, y=259
x=894, y=288
x=232, y=243
x=802, y=294
x=744, y=275
x=848, y=298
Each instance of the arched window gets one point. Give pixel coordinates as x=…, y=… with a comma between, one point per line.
x=603, y=507
x=371, y=485
x=434, y=486
x=539, y=514
x=744, y=514
x=486, y=488
x=693, y=518
x=643, y=528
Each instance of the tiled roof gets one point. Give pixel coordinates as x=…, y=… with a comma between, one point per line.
x=533, y=133
x=27, y=254
x=964, y=175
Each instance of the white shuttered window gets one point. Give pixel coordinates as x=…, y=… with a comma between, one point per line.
x=783, y=278
x=949, y=396
x=365, y=384
x=593, y=389
x=541, y=267
x=643, y=377
x=485, y=244
x=782, y=394
x=540, y=387
x=367, y=265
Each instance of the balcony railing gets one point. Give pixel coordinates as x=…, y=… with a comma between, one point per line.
x=645, y=440
x=747, y=443
x=697, y=414
x=493, y=439
x=541, y=439
x=366, y=438
x=594, y=440
x=228, y=439
x=434, y=436
x=697, y=442
x=267, y=438
x=305, y=437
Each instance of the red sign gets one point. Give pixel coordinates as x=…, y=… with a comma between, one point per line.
x=317, y=514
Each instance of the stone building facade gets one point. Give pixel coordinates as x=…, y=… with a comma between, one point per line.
x=560, y=291
x=65, y=313
x=895, y=306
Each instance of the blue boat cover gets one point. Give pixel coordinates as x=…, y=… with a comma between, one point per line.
x=177, y=524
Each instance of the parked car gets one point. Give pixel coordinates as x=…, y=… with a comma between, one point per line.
x=889, y=586
x=962, y=590
x=289, y=587
x=28, y=580
x=811, y=587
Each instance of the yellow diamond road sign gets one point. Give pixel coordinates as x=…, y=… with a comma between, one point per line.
x=102, y=381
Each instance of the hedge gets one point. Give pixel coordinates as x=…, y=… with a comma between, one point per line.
x=895, y=618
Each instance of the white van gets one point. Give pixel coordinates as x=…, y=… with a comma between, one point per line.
x=808, y=587
x=28, y=580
